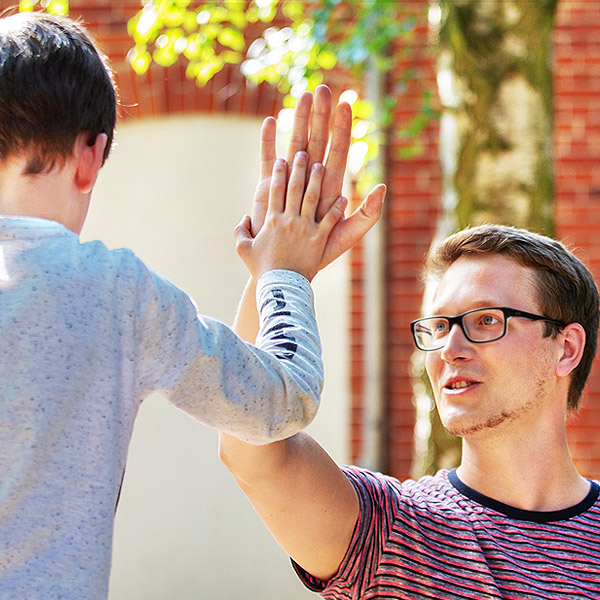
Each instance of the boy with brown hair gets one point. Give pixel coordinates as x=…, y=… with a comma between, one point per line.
x=88, y=333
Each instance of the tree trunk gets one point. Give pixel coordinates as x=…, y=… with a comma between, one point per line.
x=495, y=85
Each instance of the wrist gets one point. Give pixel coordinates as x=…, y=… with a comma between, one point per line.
x=287, y=276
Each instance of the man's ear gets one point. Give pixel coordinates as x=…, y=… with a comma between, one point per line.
x=573, y=344
x=89, y=160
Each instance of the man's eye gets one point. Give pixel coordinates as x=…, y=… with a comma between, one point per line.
x=489, y=320
x=440, y=326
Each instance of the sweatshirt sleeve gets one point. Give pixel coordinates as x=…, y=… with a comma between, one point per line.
x=258, y=394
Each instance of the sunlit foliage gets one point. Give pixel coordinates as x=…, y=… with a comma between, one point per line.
x=318, y=36
x=54, y=7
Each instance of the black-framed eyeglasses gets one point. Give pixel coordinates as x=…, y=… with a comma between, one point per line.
x=480, y=326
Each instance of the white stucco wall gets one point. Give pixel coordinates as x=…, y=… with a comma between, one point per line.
x=172, y=191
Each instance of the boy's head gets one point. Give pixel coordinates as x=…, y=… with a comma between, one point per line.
x=565, y=288
x=54, y=86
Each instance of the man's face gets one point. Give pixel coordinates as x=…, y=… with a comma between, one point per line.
x=482, y=388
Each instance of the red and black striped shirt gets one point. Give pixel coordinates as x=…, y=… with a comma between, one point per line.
x=436, y=538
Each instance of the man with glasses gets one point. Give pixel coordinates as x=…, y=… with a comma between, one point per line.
x=509, y=342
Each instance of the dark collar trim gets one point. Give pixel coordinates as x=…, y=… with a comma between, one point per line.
x=519, y=514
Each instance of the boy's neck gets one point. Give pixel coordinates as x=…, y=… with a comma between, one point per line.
x=49, y=195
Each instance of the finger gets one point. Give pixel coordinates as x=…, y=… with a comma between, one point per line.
x=242, y=235
x=300, y=127
x=260, y=204
x=313, y=192
x=278, y=186
x=268, y=149
x=268, y=154
x=364, y=217
x=295, y=191
x=333, y=215
x=349, y=231
x=370, y=208
x=319, y=125
x=337, y=158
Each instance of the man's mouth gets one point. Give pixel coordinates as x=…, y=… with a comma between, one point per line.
x=459, y=385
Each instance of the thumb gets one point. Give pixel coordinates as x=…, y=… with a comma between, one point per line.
x=372, y=205
x=243, y=236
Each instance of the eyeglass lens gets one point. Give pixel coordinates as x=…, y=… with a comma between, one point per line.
x=483, y=325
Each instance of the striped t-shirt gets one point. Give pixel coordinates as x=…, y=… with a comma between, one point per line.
x=438, y=538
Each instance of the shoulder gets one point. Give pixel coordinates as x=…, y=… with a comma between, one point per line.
x=123, y=268
x=62, y=251
x=118, y=276
x=429, y=496
x=96, y=256
x=398, y=519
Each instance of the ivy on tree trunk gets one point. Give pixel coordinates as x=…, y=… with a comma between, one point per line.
x=498, y=58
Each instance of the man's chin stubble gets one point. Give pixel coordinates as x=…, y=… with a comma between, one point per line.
x=492, y=422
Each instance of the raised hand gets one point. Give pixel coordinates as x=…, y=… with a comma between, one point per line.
x=290, y=237
x=310, y=132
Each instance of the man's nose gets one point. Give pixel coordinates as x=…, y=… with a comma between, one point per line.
x=457, y=346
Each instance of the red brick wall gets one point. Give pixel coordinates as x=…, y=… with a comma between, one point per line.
x=410, y=215
x=357, y=347
x=412, y=211
x=414, y=202
x=577, y=178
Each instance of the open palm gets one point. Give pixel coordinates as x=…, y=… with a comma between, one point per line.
x=310, y=132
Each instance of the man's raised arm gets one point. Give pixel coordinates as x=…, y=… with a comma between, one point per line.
x=302, y=496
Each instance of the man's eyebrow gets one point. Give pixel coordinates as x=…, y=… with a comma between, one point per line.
x=474, y=306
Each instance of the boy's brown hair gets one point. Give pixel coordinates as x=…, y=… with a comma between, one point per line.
x=54, y=86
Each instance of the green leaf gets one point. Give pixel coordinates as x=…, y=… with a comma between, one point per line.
x=232, y=38
x=139, y=59
x=289, y=102
x=53, y=7
x=211, y=30
x=408, y=152
x=192, y=69
x=145, y=25
x=194, y=46
x=165, y=57
x=293, y=10
x=207, y=70
x=325, y=33
x=26, y=5
x=176, y=16
x=252, y=14
x=189, y=23
x=363, y=109
x=58, y=7
x=219, y=14
x=267, y=13
x=238, y=19
x=326, y=60
x=230, y=57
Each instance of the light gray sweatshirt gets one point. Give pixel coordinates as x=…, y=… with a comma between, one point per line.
x=85, y=335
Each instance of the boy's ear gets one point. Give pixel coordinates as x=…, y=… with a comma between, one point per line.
x=89, y=160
